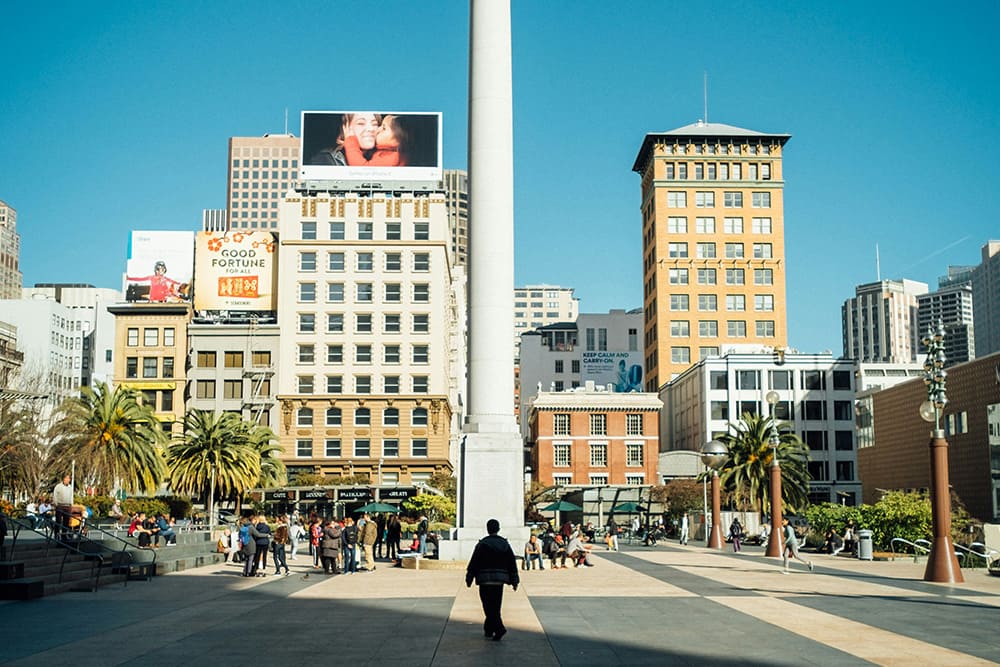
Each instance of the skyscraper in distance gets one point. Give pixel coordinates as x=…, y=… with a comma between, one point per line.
x=260, y=171
x=455, y=184
x=10, y=253
x=713, y=244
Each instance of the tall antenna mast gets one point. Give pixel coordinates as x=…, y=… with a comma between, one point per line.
x=878, y=265
x=705, y=91
x=286, y=120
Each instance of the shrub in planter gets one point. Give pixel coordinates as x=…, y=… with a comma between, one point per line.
x=151, y=506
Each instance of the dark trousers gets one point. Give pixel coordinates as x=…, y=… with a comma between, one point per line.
x=330, y=565
x=248, y=564
x=259, y=559
x=492, y=599
x=350, y=558
x=378, y=545
x=279, y=558
x=393, y=547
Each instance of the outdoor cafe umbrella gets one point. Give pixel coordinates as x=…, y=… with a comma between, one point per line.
x=562, y=506
x=377, y=507
x=629, y=508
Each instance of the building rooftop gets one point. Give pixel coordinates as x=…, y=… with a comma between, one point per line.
x=595, y=398
x=700, y=129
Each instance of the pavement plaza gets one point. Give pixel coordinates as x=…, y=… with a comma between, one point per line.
x=661, y=605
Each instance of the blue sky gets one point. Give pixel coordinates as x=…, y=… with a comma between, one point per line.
x=115, y=116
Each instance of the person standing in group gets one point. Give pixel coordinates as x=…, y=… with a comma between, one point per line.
x=684, y=528
x=736, y=533
x=260, y=532
x=492, y=566
x=295, y=533
x=791, y=546
x=249, y=547
x=331, y=547
x=369, y=533
x=380, y=536
x=62, y=498
x=278, y=547
x=349, y=546
x=393, y=532
x=315, y=536
x=422, y=534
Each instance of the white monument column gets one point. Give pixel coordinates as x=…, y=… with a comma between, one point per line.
x=490, y=481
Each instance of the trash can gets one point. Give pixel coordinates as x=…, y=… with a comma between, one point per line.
x=864, y=545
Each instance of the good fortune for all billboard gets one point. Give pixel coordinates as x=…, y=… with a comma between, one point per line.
x=235, y=271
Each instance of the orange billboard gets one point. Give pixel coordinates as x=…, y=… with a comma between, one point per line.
x=235, y=271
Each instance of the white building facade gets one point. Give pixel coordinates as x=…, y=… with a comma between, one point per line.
x=880, y=322
x=539, y=305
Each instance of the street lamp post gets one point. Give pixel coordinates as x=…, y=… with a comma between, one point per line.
x=774, y=540
x=942, y=564
x=713, y=455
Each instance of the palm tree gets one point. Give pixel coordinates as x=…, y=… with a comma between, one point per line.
x=113, y=439
x=746, y=473
x=272, y=469
x=215, y=455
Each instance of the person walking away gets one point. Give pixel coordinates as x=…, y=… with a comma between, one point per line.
x=791, y=546
x=393, y=533
x=295, y=532
x=492, y=566
x=736, y=533
x=612, y=534
x=278, y=547
x=248, y=546
x=422, y=535
x=62, y=498
x=684, y=528
x=348, y=546
x=331, y=547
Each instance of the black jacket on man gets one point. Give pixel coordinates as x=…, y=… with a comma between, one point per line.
x=492, y=563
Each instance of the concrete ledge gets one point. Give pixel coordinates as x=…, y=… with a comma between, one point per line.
x=418, y=563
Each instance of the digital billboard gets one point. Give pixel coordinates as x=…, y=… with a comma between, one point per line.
x=370, y=146
x=235, y=271
x=622, y=370
x=159, y=267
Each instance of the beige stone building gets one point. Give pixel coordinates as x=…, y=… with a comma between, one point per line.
x=10, y=253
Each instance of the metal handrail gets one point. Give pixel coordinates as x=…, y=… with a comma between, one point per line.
x=987, y=555
x=126, y=545
x=921, y=544
x=48, y=534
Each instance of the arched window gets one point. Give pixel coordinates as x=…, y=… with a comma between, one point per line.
x=362, y=417
x=333, y=417
x=390, y=417
x=420, y=416
x=304, y=417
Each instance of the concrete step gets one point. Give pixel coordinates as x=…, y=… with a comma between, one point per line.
x=21, y=589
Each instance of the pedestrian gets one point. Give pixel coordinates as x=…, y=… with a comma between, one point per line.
x=492, y=566
x=367, y=537
x=349, y=545
x=62, y=498
x=684, y=528
x=295, y=533
x=260, y=532
x=331, y=547
x=393, y=533
x=791, y=546
x=422, y=535
x=248, y=546
x=315, y=535
x=278, y=547
x=612, y=534
x=736, y=533
x=380, y=523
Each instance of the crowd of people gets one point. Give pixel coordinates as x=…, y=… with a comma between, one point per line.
x=149, y=530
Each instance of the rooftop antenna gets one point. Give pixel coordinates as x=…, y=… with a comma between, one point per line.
x=878, y=265
x=286, y=120
x=705, y=91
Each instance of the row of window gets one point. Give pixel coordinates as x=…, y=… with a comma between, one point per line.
x=365, y=292
x=231, y=388
x=599, y=479
x=304, y=417
x=285, y=164
x=781, y=380
x=785, y=410
x=717, y=171
x=678, y=224
x=363, y=323
x=710, y=328
x=711, y=276
x=232, y=359
x=710, y=302
x=537, y=304
x=365, y=261
x=598, y=424
x=152, y=367
x=759, y=148
x=419, y=354
x=732, y=250
x=365, y=231
x=706, y=199
x=150, y=337
x=362, y=448
x=391, y=384
x=562, y=454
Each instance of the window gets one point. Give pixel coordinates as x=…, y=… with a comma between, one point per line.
x=635, y=480
x=633, y=424
x=391, y=354
x=815, y=440
x=363, y=384
x=365, y=231
x=393, y=231
x=751, y=407
x=132, y=338
x=732, y=199
x=362, y=417
x=363, y=323
x=676, y=200
x=167, y=401
x=205, y=389
x=562, y=480
x=845, y=470
x=761, y=225
x=168, y=367
x=764, y=328
x=680, y=328
x=705, y=251
x=335, y=354
x=232, y=389
x=680, y=355
x=708, y=328
x=421, y=293
x=735, y=277
x=419, y=417
x=393, y=261
x=634, y=454
x=307, y=323
x=678, y=250
x=781, y=379
x=704, y=199
x=335, y=261
x=421, y=231
x=149, y=367
x=364, y=292
x=732, y=226
x=763, y=302
x=842, y=380
x=814, y=409
x=720, y=410
x=391, y=384
x=421, y=261
x=679, y=302
x=678, y=276
x=391, y=324
x=561, y=454
x=598, y=455
x=362, y=448
x=843, y=440
x=335, y=292
x=150, y=337
x=304, y=417
x=682, y=171
x=261, y=359
x=363, y=354
x=308, y=230
x=390, y=417
x=331, y=447
x=736, y=328
x=420, y=384
x=734, y=250
x=560, y=424
x=305, y=384
x=307, y=354
x=598, y=424
x=421, y=323
x=705, y=225
x=598, y=480
x=843, y=410
x=334, y=384
x=762, y=250
x=418, y=447
x=677, y=224
x=333, y=417
x=813, y=380
x=307, y=292
x=303, y=448
x=336, y=231
x=558, y=366
x=393, y=293
x=736, y=302
x=307, y=261
x=761, y=200
x=335, y=323
x=390, y=447
x=421, y=354
x=365, y=261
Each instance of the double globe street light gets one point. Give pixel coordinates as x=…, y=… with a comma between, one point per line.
x=774, y=539
x=714, y=455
